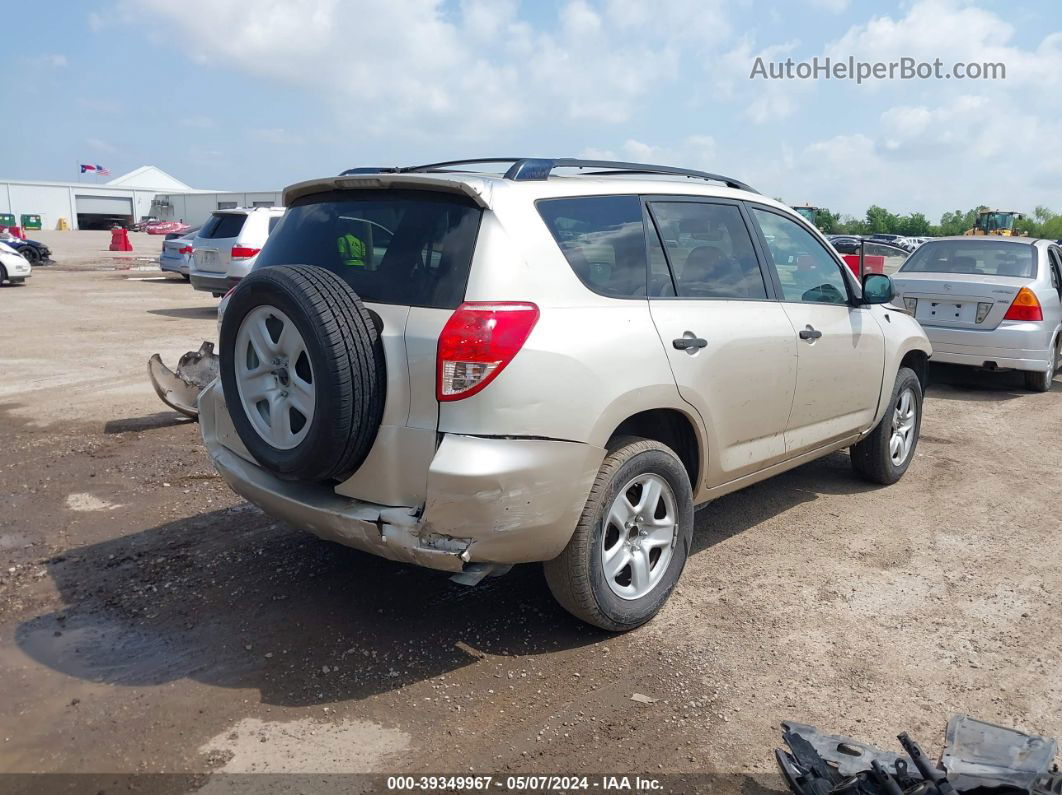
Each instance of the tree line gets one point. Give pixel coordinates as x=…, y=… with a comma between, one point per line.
x=1042, y=223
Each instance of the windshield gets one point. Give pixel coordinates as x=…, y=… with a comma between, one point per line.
x=393, y=247
x=976, y=257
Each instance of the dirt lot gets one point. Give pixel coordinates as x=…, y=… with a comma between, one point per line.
x=151, y=621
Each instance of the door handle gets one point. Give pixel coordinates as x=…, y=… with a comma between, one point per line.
x=690, y=344
x=810, y=334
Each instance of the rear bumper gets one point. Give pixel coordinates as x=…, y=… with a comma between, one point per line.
x=1016, y=346
x=173, y=266
x=488, y=500
x=218, y=284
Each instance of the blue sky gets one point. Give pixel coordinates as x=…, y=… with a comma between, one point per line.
x=237, y=95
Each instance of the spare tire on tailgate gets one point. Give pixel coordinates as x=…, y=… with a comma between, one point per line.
x=303, y=371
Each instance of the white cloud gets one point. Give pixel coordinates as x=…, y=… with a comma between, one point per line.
x=476, y=68
x=95, y=22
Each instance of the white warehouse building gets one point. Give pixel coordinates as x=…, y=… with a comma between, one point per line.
x=142, y=192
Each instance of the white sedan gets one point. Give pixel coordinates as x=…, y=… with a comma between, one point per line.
x=14, y=268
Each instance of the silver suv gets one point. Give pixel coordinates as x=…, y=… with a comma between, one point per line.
x=226, y=246
x=466, y=370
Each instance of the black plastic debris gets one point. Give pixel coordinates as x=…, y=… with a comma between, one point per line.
x=978, y=757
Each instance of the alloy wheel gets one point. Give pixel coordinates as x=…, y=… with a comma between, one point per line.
x=638, y=540
x=274, y=377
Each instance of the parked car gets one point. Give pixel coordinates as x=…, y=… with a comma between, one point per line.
x=34, y=251
x=467, y=371
x=14, y=268
x=225, y=248
x=166, y=227
x=993, y=302
x=177, y=253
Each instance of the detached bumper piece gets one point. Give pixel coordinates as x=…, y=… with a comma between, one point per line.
x=180, y=390
x=978, y=757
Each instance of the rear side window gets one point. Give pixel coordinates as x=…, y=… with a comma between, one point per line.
x=976, y=257
x=603, y=239
x=222, y=225
x=710, y=250
x=412, y=248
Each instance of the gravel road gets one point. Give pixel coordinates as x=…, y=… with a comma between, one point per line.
x=151, y=621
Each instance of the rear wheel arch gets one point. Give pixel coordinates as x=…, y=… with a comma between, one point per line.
x=670, y=427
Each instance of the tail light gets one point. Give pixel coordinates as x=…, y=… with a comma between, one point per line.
x=1025, y=306
x=244, y=252
x=183, y=250
x=477, y=342
x=910, y=304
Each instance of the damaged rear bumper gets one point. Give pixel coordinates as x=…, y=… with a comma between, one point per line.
x=488, y=500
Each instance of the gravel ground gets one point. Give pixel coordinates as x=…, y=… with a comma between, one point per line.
x=151, y=621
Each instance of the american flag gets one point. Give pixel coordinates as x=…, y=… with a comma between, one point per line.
x=102, y=171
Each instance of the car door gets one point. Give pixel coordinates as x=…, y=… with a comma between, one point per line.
x=731, y=346
x=841, y=347
x=1052, y=307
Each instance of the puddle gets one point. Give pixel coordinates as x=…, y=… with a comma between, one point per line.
x=100, y=650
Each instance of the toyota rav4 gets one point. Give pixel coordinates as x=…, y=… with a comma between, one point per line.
x=468, y=370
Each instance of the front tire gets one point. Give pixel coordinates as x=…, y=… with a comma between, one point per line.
x=31, y=255
x=632, y=540
x=884, y=455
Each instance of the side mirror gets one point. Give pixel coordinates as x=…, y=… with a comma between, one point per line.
x=877, y=288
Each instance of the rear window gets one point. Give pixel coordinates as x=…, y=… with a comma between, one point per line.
x=412, y=248
x=976, y=257
x=222, y=225
x=603, y=239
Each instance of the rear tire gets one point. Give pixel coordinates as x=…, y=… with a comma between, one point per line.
x=322, y=363
x=875, y=458
x=578, y=579
x=3, y=275
x=1041, y=382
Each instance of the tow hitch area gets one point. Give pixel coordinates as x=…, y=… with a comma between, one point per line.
x=180, y=390
x=978, y=757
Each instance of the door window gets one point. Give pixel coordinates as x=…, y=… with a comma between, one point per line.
x=710, y=250
x=1056, y=270
x=806, y=271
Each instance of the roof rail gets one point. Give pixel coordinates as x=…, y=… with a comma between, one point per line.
x=532, y=168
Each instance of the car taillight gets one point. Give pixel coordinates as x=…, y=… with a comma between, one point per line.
x=1025, y=306
x=477, y=342
x=244, y=252
x=185, y=250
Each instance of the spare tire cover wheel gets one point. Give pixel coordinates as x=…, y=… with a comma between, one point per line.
x=303, y=372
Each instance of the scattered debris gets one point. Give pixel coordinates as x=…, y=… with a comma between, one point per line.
x=977, y=756
x=643, y=699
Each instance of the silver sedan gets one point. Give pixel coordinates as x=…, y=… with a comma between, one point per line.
x=991, y=302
